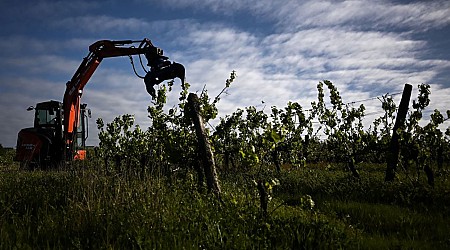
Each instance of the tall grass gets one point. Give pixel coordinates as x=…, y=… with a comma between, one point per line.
x=405, y=214
x=90, y=209
x=319, y=207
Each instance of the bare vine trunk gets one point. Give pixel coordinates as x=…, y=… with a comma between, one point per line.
x=263, y=197
x=205, y=152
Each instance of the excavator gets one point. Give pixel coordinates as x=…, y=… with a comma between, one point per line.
x=60, y=129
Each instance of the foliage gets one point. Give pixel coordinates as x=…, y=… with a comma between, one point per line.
x=423, y=145
x=285, y=137
x=167, y=144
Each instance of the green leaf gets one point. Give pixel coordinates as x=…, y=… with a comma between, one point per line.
x=275, y=136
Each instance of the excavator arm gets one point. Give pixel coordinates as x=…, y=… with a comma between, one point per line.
x=161, y=69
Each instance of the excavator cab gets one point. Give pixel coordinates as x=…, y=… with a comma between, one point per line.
x=48, y=115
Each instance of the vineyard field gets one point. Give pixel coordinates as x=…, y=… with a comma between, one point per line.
x=287, y=178
x=319, y=207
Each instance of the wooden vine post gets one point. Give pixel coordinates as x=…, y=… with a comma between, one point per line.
x=205, y=152
x=394, y=147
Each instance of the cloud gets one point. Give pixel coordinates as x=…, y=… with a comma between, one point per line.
x=364, y=15
x=224, y=7
x=18, y=93
x=43, y=64
x=312, y=54
x=366, y=48
x=293, y=14
x=27, y=47
x=103, y=23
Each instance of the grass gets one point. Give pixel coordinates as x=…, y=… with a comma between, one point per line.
x=86, y=208
x=405, y=214
x=388, y=226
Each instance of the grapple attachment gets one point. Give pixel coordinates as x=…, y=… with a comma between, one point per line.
x=164, y=71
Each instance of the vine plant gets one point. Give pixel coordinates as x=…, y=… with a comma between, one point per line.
x=250, y=138
x=167, y=145
x=423, y=145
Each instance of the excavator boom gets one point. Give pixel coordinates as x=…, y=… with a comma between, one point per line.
x=161, y=69
x=58, y=127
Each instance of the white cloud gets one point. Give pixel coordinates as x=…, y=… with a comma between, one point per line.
x=294, y=14
x=307, y=54
x=365, y=14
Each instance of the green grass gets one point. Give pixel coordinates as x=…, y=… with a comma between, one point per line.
x=90, y=209
x=404, y=214
x=389, y=226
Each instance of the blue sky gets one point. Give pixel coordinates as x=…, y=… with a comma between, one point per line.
x=280, y=50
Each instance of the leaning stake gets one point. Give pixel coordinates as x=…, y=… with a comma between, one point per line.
x=394, y=148
x=205, y=152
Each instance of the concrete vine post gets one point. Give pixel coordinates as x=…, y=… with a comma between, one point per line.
x=205, y=152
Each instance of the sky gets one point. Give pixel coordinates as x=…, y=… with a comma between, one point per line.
x=280, y=51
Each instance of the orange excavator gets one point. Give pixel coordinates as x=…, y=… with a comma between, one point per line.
x=60, y=129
